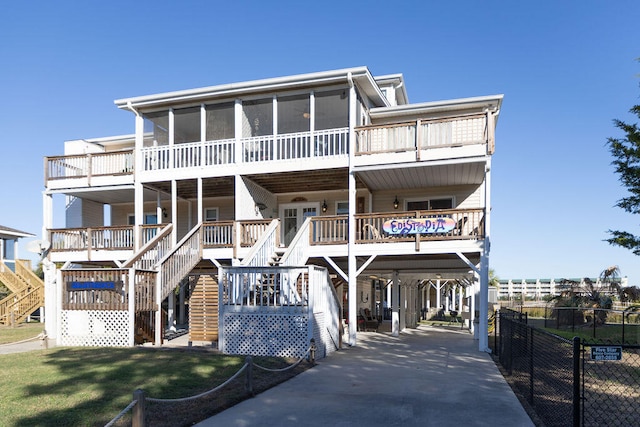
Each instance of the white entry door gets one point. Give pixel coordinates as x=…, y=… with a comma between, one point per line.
x=293, y=215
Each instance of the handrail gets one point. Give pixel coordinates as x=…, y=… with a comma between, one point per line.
x=27, y=274
x=178, y=262
x=10, y=279
x=296, y=253
x=264, y=248
x=161, y=239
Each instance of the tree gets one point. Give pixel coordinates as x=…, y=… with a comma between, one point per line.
x=626, y=153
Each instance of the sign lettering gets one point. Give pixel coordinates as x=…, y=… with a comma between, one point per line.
x=606, y=353
x=419, y=225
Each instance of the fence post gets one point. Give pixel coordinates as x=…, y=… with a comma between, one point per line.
x=138, y=411
x=531, y=364
x=249, y=377
x=312, y=352
x=576, y=381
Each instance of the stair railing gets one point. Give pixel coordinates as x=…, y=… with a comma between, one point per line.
x=177, y=263
x=10, y=279
x=24, y=271
x=297, y=252
x=150, y=253
x=262, y=251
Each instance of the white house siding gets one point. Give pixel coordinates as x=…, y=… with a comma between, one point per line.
x=83, y=213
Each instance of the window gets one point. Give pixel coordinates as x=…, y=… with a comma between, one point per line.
x=211, y=214
x=429, y=204
x=342, y=208
x=220, y=121
x=156, y=128
x=186, y=123
x=294, y=114
x=148, y=219
x=257, y=118
x=332, y=109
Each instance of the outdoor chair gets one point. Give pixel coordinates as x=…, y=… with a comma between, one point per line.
x=370, y=322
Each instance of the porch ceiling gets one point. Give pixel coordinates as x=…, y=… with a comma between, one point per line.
x=188, y=188
x=420, y=176
x=110, y=195
x=303, y=181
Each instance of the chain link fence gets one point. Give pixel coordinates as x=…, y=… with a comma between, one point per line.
x=611, y=385
x=569, y=382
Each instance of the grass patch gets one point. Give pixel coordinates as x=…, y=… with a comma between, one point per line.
x=21, y=332
x=90, y=386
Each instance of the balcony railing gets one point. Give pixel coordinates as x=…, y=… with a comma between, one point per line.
x=112, y=238
x=422, y=134
x=219, y=234
x=88, y=165
x=332, y=230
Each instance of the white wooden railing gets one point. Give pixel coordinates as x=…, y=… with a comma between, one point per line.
x=87, y=165
x=151, y=252
x=297, y=252
x=422, y=134
x=262, y=251
x=265, y=286
x=175, y=265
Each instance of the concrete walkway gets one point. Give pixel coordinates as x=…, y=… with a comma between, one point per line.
x=425, y=377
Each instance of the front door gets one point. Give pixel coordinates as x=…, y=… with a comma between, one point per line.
x=293, y=215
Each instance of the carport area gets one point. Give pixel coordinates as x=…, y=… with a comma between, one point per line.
x=423, y=377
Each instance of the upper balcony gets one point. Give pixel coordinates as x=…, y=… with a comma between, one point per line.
x=415, y=141
x=424, y=140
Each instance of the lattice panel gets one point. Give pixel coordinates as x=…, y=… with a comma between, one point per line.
x=95, y=328
x=266, y=334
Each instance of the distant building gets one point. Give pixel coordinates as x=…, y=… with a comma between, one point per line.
x=537, y=289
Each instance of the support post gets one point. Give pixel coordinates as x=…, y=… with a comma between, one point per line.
x=249, y=376
x=138, y=411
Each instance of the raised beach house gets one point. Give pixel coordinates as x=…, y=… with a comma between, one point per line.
x=263, y=214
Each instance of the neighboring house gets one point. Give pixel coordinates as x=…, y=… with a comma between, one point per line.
x=269, y=212
x=9, y=243
x=24, y=293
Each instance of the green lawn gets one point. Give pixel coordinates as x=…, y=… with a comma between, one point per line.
x=23, y=331
x=90, y=386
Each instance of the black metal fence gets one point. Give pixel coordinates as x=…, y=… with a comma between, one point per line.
x=569, y=382
x=607, y=325
x=610, y=385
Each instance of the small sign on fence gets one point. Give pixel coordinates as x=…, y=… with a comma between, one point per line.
x=606, y=352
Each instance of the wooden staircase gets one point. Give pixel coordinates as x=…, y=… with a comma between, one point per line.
x=27, y=293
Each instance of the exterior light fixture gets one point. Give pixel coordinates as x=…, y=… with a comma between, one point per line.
x=396, y=203
x=324, y=206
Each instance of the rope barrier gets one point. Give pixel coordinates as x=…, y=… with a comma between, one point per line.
x=121, y=414
x=38, y=337
x=186, y=399
x=285, y=368
x=247, y=365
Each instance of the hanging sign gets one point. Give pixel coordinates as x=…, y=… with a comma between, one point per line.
x=419, y=225
x=90, y=286
x=606, y=352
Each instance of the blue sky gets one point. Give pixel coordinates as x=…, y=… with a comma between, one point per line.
x=566, y=69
